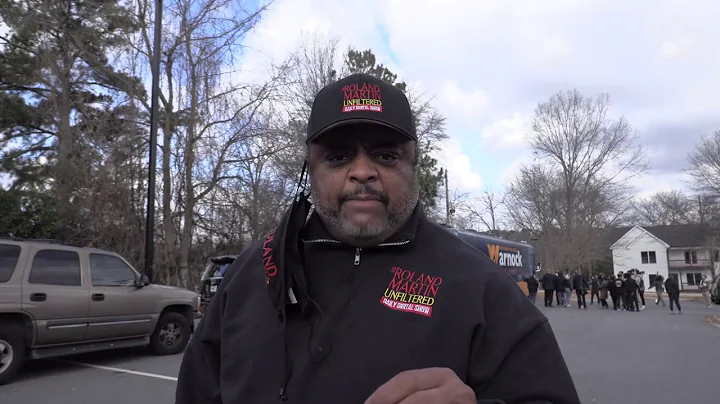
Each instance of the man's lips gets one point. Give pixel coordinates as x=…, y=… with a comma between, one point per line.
x=364, y=198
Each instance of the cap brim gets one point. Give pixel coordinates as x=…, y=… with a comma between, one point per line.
x=355, y=121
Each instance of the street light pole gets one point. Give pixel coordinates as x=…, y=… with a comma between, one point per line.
x=154, y=112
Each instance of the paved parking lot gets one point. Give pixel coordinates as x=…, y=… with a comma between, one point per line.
x=646, y=357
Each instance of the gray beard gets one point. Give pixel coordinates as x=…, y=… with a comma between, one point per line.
x=373, y=232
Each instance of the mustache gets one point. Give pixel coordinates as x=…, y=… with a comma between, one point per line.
x=365, y=190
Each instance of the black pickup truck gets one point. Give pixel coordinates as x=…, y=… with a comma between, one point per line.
x=212, y=277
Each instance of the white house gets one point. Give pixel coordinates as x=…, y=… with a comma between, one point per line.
x=684, y=252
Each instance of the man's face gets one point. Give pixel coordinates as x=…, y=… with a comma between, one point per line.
x=363, y=180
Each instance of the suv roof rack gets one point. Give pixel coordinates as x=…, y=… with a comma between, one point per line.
x=42, y=240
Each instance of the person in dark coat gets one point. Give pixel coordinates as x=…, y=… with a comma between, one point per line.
x=548, y=285
x=594, y=289
x=532, y=285
x=673, y=290
x=297, y=316
x=631, y=288
x=612, y=290
x=580, y=285
x=619, y=302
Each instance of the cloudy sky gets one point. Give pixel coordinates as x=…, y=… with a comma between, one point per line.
x=489, y=62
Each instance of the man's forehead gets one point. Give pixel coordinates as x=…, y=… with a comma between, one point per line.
x=369, y=136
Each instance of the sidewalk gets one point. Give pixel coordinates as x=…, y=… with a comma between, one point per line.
x=649, y=296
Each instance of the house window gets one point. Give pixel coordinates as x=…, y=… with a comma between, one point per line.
x=694, y=279
x=691, y=257
x=648, y=257
x=652, y=279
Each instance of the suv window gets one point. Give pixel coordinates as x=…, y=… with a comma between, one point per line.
x=217, y=269
x=108, y=270
x=9, y=254
x=55, y=267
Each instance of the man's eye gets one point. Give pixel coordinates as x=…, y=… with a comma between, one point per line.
x=337, y=158
x=386, y=156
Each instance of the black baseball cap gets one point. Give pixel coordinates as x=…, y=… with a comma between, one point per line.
x=360, y=98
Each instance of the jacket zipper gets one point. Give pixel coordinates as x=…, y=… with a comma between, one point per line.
x=356, y=261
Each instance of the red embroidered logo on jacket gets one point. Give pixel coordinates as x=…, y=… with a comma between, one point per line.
x=411, y=292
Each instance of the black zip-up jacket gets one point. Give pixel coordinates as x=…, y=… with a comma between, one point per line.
x=422, y=299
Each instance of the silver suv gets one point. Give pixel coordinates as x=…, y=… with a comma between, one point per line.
x=57, y=299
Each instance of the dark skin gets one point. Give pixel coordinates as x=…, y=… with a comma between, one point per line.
x=363, y=177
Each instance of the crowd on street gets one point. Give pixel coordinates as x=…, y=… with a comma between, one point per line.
x=626, y=291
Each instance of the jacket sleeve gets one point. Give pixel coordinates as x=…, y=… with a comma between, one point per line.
x=514, y=356
x=199, y=379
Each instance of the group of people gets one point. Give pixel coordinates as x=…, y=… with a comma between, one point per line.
x=626, y=290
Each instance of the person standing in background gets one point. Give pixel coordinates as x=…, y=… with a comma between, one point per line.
x=568, y=290
x=620, y=289
x=594, y=289
x=548, y=284
x=673, y=290
x=603, y=291
x=559, y=288
x=659, y=290
x=580, y=285
x=612, y=289
x=532, y=285
x=641, y=286
x=705, y=290
x=630, y=293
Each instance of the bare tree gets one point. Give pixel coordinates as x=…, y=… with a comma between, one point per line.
x=579, y=182
x=485, y=209
x=206, y=114
x=703, y=164
x=663, y=208
x=575, y=135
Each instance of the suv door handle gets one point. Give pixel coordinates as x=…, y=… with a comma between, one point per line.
x=98, y=297
x=38, y=297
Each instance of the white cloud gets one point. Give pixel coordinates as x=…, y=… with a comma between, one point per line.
x=506, y=133
x=647, y=186
x=460, y=172
x=489, y=62
x=461, y=103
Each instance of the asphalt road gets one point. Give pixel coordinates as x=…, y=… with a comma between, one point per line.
x=615, y=358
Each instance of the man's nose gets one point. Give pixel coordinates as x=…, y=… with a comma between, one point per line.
x=363, y=169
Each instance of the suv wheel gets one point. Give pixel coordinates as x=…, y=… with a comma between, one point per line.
x=171, y=335
x=12, y=351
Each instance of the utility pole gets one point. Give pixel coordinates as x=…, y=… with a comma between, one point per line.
x=447, y=200
x=152, y=166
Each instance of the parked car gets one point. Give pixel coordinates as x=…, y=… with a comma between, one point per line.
x=58, y=299
x=212, y=277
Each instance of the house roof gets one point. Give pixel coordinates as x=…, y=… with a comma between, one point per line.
x=685, y=235
x=644, y=231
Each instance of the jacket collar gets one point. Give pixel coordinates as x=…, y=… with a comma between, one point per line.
x=316, y=232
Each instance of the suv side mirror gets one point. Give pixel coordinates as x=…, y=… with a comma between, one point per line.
x=142, y=281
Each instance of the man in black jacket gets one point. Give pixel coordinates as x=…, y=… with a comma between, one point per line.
x=365, y=300
x=673, y=290
x=532, y=285
x=549, y=280
x=580, y=285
